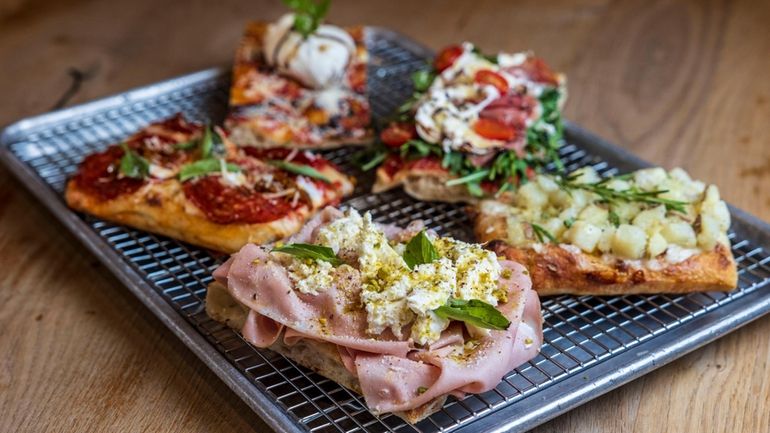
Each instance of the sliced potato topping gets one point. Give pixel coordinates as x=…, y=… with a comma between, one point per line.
x=631, y=229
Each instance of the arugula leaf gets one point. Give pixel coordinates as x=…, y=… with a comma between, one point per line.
x=473, y=177
x=422, y=79
x=308, y=14
x=310, y=251
x=475, y=312
x=420, y=147
x=542, y=234
x=420, y=250
x=132, y=164
x=303, y=170
x=375, y=161
x=205, y=166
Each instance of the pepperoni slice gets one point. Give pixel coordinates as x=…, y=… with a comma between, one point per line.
x=98, y=175
x=225, y=204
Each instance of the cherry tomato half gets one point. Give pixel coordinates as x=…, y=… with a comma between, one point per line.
x=447, y=57
x=494, y=130
x=486, y=76
x=397, y=134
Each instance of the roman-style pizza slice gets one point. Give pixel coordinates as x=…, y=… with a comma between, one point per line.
x=188, y=181
x=400, y=315
x=650, y=231
x=300, y=87
x=477, y=127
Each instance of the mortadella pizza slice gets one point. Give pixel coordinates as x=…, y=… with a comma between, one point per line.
x=402, y=316
x=300, y=86
x=188, y=181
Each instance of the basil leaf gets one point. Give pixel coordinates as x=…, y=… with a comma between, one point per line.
x=422, y=79
x=310, y=251
x=303, y=170
x=207, y=143
x=475, y=312
x=308, y=14
x=420, y=250
x=132, y=164
x=205, y=166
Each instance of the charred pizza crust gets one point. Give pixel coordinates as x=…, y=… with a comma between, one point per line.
x=261, y=130
x=319, y=356
x=558, y=269
x=160, y=206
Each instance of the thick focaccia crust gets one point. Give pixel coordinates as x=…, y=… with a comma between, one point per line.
x=557, y=270
x=319, y=356
x=160, y=206
x=246, y=131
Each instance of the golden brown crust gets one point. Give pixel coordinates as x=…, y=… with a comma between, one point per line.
x=557, y=270
x=161, y=207
x=319, y=356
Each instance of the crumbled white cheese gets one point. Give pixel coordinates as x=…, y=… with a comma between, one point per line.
x=395, y=296
x=310, y=276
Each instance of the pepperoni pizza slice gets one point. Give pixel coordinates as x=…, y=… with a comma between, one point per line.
x=296, y=90
x=190, y=182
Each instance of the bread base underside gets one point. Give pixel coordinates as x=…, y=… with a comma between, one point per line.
x=318, y=356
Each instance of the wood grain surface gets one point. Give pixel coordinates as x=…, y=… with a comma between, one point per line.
x=678, y=82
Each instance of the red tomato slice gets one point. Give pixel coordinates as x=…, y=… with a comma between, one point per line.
x=447, y=57
x=494, y=130
x=397, y=134
x=486, y=76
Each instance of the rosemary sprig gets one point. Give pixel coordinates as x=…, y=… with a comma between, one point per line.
x=542, y=234
x=632, y=194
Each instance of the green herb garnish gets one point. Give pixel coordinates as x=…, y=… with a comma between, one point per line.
x=542, y=234
x=419, y=251
x=569, y=221
x=187, y=145
x=475, y=312
x=303, y=170
x=632, y=194
x=205, y=166
x=211, y=143
x=308, y=14
x=613, y=218
x=132, y=164
x=422, y=79
x=473, y=177
x=310, y=251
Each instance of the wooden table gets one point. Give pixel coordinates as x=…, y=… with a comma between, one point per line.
x=679, y=83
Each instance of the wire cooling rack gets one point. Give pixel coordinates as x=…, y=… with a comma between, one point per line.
x=592, y=344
